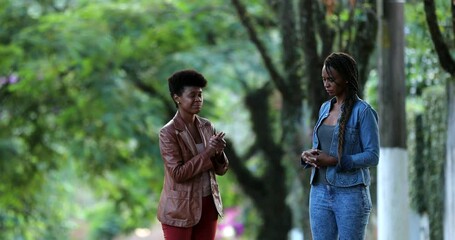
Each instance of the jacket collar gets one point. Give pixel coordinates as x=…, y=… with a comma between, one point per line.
x=180, y=123
x=334, y=100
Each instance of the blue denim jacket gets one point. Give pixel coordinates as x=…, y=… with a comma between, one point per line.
x=361, y=146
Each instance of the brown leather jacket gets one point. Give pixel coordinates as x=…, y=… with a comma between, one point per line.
x=181, y=198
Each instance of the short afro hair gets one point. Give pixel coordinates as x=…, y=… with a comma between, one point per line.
x=185, y=78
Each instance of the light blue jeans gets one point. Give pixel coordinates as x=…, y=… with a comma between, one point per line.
x=339, y=212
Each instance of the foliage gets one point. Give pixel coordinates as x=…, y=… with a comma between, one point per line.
x=83, y=95
x=72, y=103
x=79, y=69
x=421, y=64
x=435, y=150
x=426, y=118
x=428, y=158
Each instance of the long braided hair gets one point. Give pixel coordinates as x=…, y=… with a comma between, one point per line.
x=346, y=67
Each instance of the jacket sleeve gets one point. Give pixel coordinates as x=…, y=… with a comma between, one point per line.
x=220, y=163
x=303, y=163
x=173, y=157
x=369, y=138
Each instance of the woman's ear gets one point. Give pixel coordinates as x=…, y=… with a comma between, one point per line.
x=176, y=98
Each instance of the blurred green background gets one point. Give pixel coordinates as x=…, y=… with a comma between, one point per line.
x=83, y=94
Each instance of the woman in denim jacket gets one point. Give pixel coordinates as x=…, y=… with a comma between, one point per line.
x=345, y=145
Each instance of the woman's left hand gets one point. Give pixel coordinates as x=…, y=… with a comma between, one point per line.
x=310, y=157
x=217, y=142
x=318, y=158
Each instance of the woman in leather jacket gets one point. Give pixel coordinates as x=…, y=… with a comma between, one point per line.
x=345, y=145
x=193, y=153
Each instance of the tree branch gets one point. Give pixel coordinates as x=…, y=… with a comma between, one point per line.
x=307, y=27
x=453, y=19
x=253, y=187
x=313, y=62
x=441, y=47
x=288, y=31
x=326, y=34
x=257, y=104
x=365, y=40
x=169, y=107
x=348, y=24
x=246, y=22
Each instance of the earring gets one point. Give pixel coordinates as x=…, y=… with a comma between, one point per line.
x=178, y=102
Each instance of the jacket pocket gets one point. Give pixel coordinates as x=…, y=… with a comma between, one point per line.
x=177, y=205
x=351, y=141
x=343, y=178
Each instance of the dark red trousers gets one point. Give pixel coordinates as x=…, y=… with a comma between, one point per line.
x=204, y=230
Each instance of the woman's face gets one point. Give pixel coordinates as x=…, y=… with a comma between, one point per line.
x=191, y=100
x=334, y=85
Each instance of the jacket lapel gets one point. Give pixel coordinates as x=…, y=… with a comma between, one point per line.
x=189, y=142
x=184, y=134
x=203, y=131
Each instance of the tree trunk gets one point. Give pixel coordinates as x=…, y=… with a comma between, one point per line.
x=448, y=64
x=393, y=199
x=294, y=87
x=449, y=218
x=268, y=191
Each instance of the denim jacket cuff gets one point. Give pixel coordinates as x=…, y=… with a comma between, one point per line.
x=346, y=164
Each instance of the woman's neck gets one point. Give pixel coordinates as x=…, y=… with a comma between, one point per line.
x=187, y=118
x=340, y=100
